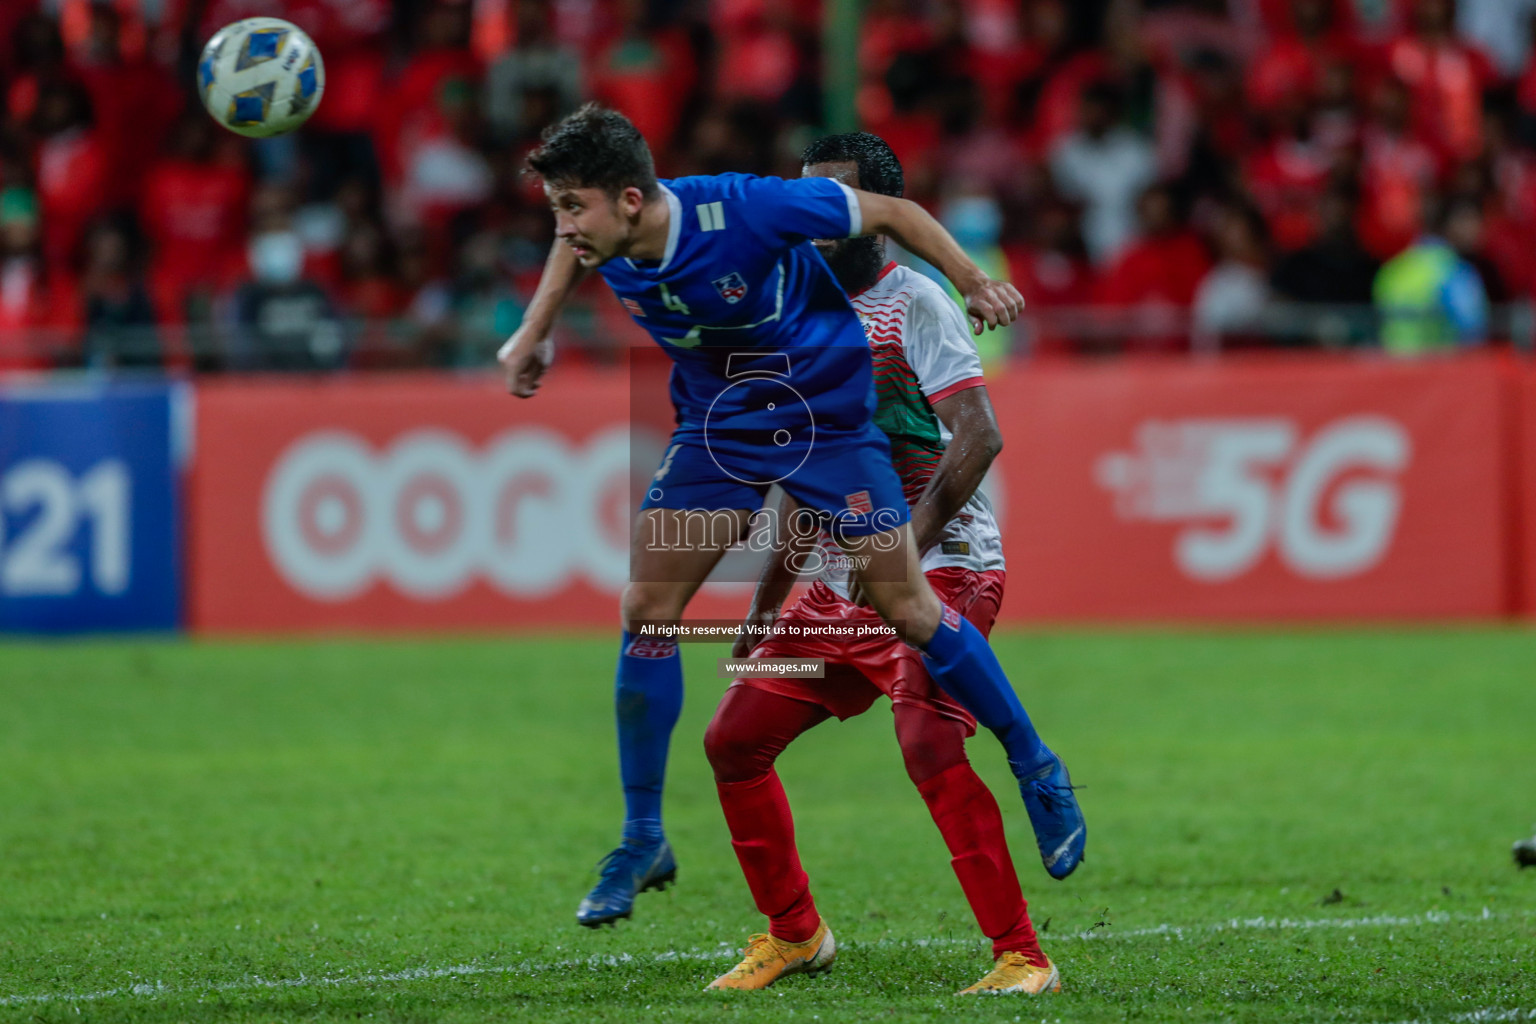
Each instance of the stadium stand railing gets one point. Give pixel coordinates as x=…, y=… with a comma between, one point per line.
x=398, y=344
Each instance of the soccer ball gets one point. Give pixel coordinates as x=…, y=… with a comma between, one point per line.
x=260, y=77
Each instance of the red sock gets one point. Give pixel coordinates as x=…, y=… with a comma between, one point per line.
x=968, y=818
x=763, y=835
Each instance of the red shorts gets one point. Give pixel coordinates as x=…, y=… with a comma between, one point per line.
x=859, y=670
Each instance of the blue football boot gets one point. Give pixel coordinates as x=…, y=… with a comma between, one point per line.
x=629, y=870
x=1060, y=830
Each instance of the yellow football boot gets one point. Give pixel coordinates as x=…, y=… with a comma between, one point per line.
x=767, y=959
x=1014, y=973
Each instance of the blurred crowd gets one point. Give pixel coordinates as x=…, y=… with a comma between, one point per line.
x=1154, y=176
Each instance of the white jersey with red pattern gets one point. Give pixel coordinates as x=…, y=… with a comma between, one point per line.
x=923, y=352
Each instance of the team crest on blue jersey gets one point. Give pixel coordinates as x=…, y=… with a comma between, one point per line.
x=732, y=287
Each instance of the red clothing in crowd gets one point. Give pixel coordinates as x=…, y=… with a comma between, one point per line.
x=31, y=298
x=886, y=31
x=134, y=104
x=1056, y=111
x=1161, y=272
x=759, y=60
x=1287, y=179
x=759, y=55
x=194, y=215
x=1161, y=269
x=727, y=16
x=1000, y=56
x=1511, y=222
x=1293, y=66
x=377, y=297
x=913, y=136
x=73, y=171
x=333, y=24
x=1525, y=89
x=1507, y=244
x=1279, y=21
x=413, y=113
x=350, y=33
x=1397, y=173
x=12, y=14
x=1050, y=280
x=1447, y=81
x=646, y=75
x=1173, y=107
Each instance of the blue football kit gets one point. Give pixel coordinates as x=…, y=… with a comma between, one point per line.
x=771, y=379
x=772, y=382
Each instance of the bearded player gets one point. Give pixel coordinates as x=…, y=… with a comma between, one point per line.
x=933, y=405
x=721, y=272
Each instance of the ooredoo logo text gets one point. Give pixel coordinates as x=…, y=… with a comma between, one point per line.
x=528, y=513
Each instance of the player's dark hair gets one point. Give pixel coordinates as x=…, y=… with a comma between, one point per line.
x=879, y=170
x=856, y=262
x=595, y=148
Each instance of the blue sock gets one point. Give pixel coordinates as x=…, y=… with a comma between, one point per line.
x=961, y=661
x=647, y=698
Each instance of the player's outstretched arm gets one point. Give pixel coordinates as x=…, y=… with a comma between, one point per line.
x=527, y=354
x=990, y=303
x=785, y=561
x=976, y=442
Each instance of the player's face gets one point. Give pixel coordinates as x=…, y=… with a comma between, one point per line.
x=845, y=171
x=594, y=224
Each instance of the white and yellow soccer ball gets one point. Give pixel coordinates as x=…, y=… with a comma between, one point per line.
x=260, y=77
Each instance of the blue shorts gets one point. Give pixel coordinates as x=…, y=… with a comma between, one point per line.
x=847, y=479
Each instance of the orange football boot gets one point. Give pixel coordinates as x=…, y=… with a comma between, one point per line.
x=1014, y=973
x=767, y=959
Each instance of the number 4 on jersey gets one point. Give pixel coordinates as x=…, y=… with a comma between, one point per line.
x=672, y=302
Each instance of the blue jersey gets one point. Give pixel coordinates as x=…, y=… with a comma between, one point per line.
x=741, y=294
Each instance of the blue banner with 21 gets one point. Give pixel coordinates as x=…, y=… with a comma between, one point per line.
x=90, y=507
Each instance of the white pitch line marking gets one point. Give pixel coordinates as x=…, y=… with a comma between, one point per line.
x=723, y=951
x=1486, y=1016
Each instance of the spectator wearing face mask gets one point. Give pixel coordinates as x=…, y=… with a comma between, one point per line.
x=283, y=320
x=975, y=220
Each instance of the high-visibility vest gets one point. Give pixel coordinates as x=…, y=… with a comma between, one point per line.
x=1429, y=298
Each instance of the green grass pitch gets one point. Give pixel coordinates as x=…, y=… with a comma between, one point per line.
x=1284, y=826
